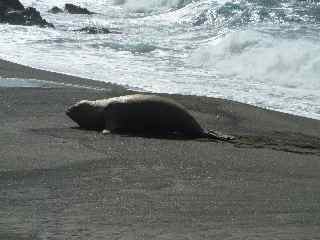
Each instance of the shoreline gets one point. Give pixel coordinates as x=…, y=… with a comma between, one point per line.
x=60, y=182
x=16, y=70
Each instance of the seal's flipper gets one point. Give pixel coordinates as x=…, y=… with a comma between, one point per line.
x=219, y=136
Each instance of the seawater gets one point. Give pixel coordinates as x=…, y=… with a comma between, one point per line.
x=261, y=52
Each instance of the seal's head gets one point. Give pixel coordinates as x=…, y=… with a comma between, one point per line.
x=87, y=115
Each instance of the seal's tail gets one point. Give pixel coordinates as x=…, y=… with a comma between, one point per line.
x=219, y=136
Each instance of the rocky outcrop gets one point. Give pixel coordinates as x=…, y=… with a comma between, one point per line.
x=94, y=30
x=11, y=5
x=13, y=12
x=55, y=10
x=73, y=9
x=70, y=8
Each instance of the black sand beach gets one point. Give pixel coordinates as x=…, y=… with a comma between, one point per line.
x=60, y=182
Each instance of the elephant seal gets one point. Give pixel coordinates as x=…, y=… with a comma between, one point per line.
x=139, y=113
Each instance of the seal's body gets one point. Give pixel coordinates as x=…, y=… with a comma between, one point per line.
x=138, y=113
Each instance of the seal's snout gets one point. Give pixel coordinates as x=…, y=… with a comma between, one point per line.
x=69, y=110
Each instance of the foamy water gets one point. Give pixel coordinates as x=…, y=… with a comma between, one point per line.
x=265, y=53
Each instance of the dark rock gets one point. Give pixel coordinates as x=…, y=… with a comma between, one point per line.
x=73, y=9
x=55, y=10
x=13, y=12
x=94, y=30
x=33, y=17
x=11, y=5
x=27, y=16
x=201, y=19
x=14, y=17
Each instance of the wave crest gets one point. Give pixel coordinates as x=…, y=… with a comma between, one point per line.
x=143, y=6
x=253, y=55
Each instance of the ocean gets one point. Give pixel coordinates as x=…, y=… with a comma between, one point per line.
x=265, y=53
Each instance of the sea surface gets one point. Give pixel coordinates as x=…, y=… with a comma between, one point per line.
x=261, y=52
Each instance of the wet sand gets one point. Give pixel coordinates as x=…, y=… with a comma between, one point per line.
x=60, y=182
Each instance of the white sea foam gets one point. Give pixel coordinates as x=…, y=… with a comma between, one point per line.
x=248, y=54
x=150, y=5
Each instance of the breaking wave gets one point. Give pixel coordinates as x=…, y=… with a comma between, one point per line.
x=151, y=5
x=250, y=54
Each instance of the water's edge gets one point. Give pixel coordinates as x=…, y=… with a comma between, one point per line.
x=33, y=77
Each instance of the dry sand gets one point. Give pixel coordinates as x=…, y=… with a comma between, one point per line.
x=60, y=182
